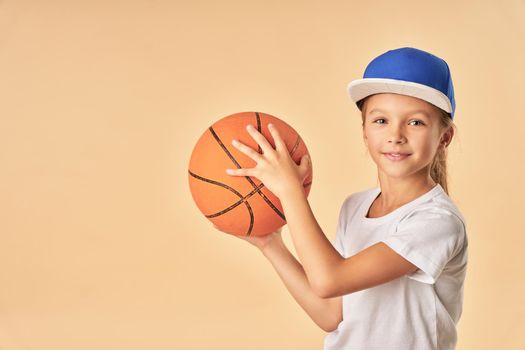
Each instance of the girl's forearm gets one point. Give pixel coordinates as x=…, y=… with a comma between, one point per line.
x=317, y=255
x=324, y=312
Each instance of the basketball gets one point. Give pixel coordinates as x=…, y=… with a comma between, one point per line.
x=240, y=205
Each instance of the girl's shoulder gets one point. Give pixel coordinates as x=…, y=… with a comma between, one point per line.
x=355, y=198
x=438, y=206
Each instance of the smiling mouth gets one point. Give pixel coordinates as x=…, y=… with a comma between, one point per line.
x=396, y=156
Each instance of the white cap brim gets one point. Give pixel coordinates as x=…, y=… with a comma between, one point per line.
x=361, y=88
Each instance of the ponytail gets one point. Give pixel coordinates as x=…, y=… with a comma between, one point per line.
x=438, y=167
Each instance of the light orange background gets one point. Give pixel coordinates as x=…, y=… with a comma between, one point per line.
x=101, y=102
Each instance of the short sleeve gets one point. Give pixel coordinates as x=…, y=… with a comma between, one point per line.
x=429, y=238
x=338, y=241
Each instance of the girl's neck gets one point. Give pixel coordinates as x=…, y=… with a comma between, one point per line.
x=397, y=193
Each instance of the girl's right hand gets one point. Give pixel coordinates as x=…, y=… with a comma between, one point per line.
x=260, y=242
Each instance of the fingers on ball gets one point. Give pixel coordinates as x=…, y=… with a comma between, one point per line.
x=250, y=152
x=279, y=142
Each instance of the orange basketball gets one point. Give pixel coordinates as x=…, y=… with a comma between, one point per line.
x=240, y=205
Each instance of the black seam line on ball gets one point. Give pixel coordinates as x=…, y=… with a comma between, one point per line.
x=246, y=177
x=242, y=200
x=233, y=206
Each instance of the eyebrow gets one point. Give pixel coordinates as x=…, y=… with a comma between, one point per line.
x=411, y=113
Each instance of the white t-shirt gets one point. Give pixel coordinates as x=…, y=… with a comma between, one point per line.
x=417, y=311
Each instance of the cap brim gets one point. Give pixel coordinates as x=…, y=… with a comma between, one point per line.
x=361, y=88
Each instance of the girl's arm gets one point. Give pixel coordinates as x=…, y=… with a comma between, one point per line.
x=327, y=313
x=329, y=273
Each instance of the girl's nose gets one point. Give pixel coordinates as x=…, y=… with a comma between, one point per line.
x=396, y=135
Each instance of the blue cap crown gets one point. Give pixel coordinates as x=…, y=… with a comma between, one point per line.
x=408, y=71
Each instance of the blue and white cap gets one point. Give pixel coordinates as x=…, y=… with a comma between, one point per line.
x=407, y=71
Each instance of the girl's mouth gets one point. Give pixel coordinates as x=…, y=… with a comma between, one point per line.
x=396, y=156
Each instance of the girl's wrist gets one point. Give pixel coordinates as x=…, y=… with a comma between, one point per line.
x=272, y=246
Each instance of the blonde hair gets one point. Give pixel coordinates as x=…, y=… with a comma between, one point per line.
x=438, y=167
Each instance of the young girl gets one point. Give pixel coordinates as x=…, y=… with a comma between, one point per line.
x=393, y=277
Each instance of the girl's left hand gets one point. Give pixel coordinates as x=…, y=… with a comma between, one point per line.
x=275, y=167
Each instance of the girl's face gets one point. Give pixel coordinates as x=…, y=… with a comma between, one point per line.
x=402, y=134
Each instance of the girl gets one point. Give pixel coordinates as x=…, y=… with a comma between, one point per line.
x=393, y=277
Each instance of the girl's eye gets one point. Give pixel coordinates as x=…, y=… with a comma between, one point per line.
x=383, y=121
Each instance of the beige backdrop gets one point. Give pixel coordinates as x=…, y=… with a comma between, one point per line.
x=101, y=102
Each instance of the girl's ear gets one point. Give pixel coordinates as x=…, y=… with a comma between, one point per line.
x=446, y=138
